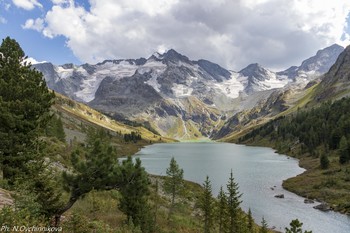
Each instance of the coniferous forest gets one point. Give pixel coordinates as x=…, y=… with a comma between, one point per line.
x=319, y=137
x=326, y=126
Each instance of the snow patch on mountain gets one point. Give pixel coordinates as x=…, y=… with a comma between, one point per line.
x=231, y=87
x=181, y=90
x=64, y=73
x=273, y=81
x=89, y=88
x=153, y=82
x=120, y=70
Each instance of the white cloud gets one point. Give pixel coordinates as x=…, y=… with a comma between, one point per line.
x=27, y=4
x=275, y=33
x=3, y=20
x=37, y=24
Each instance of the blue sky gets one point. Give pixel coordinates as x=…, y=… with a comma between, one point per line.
x=33, y=43
x=274, y=33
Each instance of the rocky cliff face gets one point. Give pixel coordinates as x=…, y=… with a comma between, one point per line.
x=178, y=97
x=314, y=66
x=336, y=82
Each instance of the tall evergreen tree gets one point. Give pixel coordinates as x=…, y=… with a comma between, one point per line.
x=174, y=180
x=296, y=227
x=24, y=109
x=134, y=191
x=97, y=169
x=264, y=226
x=233, y=202
x=324, y=161
x=250, y=221
x=206, y=204
x=343, y=150
x=221, y=210
x=55, y=128
x=41, y=184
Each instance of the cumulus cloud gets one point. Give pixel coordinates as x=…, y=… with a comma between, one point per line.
x=275, y=33
x=27, y=4
x=37, y=24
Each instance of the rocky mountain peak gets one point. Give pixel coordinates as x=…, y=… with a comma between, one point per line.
x=68, y=66
x=323, y=59
x=340, y=71
x=333, y=49
x=214, y=70
x=255, y=71
x=336, y=82
x=170, y=56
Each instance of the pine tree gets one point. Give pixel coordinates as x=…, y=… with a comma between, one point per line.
x=24, y=109
x=206, y=205
x=61, y=135
x=134, y=192
x=174, y=180
x=41, y=183
x=221, y=210
x=233, y=202
x=97, y=169
x=264, y=226
x=324, y=161
x=296, y=227
x=54, y=128
x=250, y=221
x=343, y=150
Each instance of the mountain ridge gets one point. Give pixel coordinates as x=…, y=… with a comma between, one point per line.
x=172, y=92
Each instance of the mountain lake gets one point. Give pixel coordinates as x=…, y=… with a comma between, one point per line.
x=258, y=171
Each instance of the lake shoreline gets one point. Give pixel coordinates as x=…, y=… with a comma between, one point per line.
x=256, y=176
x=293, y=184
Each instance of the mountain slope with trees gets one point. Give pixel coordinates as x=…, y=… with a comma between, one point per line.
x=318, y=134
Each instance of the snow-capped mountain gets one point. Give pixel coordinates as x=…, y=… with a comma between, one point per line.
x=256, y=78
x=178, y=97
x=313, y=66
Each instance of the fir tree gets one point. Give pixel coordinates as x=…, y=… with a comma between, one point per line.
x=221, y=210
x=55, y=128
x=98, y=169
x=264, y=226
x=324, y=161
x=206, y=204
x=233, y=202
x=296, y=227
x=134, y=192
x=250, y=221
x=24, y=109
x=41, y=183
x=174, y=180
x=343, y=150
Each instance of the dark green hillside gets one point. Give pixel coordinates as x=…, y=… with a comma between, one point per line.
x=320, y=138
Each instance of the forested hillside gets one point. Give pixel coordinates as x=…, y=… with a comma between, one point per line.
x=320, y=138
x=324, y=126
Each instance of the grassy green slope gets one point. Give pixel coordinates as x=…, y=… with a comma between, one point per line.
x=77, y=117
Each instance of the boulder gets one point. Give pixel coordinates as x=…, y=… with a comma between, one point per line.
x=308, y=201
x=323, y=207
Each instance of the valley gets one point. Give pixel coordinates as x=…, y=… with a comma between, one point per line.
x=185, y=99
x=96, y=114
